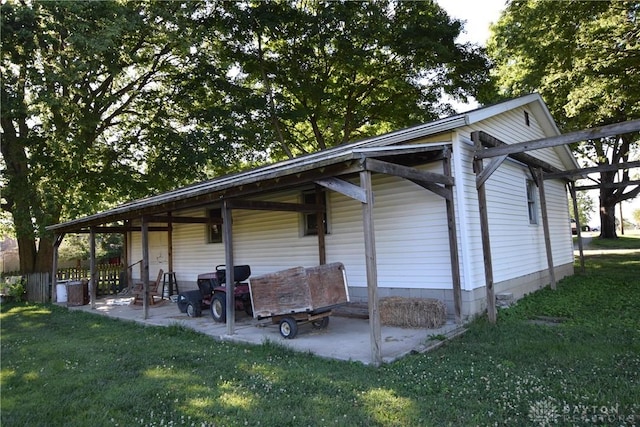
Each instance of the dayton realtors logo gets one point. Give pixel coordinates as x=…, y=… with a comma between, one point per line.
x=547, y=413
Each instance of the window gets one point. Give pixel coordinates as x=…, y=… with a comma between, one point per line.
x=214, y=231
x=526, y=119
x=310, y=220
x=532, y=202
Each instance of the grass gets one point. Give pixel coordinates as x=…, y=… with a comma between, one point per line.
x=63, y=367
x=622, y=242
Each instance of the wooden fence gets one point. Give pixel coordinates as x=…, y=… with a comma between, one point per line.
x=38, y=287
x=109, y=278
x=109, y=281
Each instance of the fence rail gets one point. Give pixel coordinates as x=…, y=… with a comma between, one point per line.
x=110, y=280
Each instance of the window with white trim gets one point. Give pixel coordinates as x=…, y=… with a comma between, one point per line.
x=532, y=201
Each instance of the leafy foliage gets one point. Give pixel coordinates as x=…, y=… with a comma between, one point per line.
x=109, y=101
x=304, y=76
x=582, y=57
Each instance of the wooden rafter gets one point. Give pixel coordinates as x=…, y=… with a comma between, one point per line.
x=494, y=144
x=567, y=138
x=593, y=169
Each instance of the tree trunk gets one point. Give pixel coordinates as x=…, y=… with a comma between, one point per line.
x=44, y=258
x=27, y=253
x=607, y=215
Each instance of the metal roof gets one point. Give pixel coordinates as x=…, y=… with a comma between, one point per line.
x=307, y=162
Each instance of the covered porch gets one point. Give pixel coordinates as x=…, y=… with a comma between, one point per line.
x=346, y=338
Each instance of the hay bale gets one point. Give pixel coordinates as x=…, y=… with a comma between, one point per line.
x=412, y=312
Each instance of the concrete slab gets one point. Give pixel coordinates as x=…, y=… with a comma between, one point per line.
x=344, y=339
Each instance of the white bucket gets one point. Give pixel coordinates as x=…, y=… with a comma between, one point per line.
x=61, y=291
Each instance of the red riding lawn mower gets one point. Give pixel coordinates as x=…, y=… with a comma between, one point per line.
x=212, y=293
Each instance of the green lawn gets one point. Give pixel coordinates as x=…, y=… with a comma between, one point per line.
x=628, y=241
x=570, y=357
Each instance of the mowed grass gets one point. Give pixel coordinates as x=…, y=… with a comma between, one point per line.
x=564, y=357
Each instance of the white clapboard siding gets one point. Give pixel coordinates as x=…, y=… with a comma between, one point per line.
x=411, y=233
x=517, y=247
x=158, y=253
x=510, y=128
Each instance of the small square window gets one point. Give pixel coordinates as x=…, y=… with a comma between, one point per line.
x=310, y=220
x=532, y=202
x=214, y=230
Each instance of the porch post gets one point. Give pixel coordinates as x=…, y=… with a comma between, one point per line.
x=453, y=239
x=372, y=268
x=545, y=226
x=484, y=230
x=145, y=268
x=227, y=236
x=54, y=268
x=124, y=263
x=170, y=242
x=322, y=253
x=92, y=266
x=572, y=191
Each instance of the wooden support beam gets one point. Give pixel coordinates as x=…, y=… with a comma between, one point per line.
x=545, y=226
x=375, y=333
x=486, y=173
x=169, y=243
x=322, y=250
x=484, y=230
x=227, y=237
x=93, y=280
x=181, y=219
x=274, y=206
x=444, y=192
x=406, y=172
x=594, y=169
x=453, y=242
x=57, y=241
x=567, y=138
x=574, y=199
x=126, y=255
x=402, y=150
x=343, y=187
x=608, y=185
x=145, y=268
x=119, y=229
x=494, y=143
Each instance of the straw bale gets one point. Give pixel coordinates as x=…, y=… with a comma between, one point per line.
x=412, y=312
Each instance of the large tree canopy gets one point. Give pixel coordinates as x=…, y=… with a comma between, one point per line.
x=583, y=57
x=84, y=108
x=107, y=101
x=310, y=75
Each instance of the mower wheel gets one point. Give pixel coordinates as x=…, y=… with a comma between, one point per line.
x=219, y=307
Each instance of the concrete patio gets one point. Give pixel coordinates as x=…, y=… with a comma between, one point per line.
x=345, y=338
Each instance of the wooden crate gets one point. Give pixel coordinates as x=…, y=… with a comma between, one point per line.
x=299, y=290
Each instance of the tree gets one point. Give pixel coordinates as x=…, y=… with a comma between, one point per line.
x=585, y=207
x=311, y=75
x=83, y=108
x=108, y=101
x=583, y=58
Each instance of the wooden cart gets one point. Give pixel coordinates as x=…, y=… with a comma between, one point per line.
x=299, y=295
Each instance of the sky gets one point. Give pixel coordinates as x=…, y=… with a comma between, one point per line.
x=478, y=15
